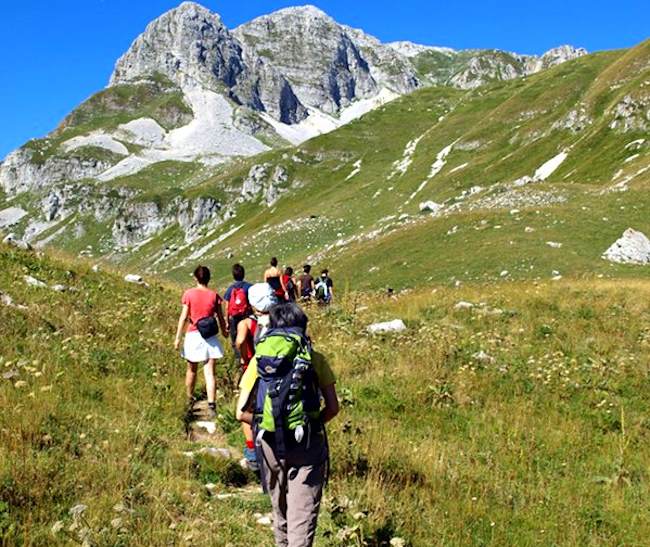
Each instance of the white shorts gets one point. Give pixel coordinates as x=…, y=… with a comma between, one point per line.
x=198, y=350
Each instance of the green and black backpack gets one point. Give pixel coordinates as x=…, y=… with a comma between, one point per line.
x=287, y=401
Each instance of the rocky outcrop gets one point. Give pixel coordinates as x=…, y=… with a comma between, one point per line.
x=191, y=42
x=486, y=67
x=632, y=248
x=193, y=215
x=322, y=62
x=264, y=180
x=631, y=114
x=552, y=57
x=20, y=172
x=137, y=221
x=388, y=67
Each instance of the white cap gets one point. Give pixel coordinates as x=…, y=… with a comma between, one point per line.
x=261, y=297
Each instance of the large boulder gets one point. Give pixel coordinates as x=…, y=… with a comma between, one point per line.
x=632, y=248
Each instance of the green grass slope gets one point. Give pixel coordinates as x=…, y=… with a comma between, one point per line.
x=347, y=206
x=520, y=421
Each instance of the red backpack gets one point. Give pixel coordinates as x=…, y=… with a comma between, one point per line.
x=238, y=303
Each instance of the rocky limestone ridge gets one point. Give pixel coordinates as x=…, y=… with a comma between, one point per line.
x=19, y=172
x=553, y=57
x=190, y=43
x=264, y=180
x=319, y=58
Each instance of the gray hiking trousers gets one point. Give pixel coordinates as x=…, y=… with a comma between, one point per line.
x=295, y=485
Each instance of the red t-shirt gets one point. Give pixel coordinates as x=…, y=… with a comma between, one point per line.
x=201, y=303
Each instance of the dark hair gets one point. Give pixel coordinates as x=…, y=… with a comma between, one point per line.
x=202, y=275
x=325, y=271
x=274, y=262
x=238, y=272
x=306, y=268
x=288, y=270
x=287, y=315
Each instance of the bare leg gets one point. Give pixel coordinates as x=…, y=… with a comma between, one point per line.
x=210, y=383
x=248, y=431
x=190, y=379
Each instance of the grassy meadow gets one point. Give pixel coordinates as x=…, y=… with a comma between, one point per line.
x=522, y=419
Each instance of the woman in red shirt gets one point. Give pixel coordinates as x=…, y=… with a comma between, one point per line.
x=200, y=303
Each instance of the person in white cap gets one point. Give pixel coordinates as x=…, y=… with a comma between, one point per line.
x=261, y=297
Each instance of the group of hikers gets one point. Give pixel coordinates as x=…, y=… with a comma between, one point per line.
x=287, y=389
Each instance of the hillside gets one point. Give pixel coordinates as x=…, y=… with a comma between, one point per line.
x=158, y=155
x=559, y=157
x=517, y=417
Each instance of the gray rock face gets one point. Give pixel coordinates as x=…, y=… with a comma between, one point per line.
x=631, y=114
x=486, y=67
x=553, y=57
x=193, y=215
x=265, y=180
x=632, y=247
x=137, y=221
x=318, y=57
x=19, y=173
x=191, y=42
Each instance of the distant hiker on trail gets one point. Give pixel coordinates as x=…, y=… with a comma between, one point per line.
x=273, y=276
x=324, y=288
x=249, y=332
x=306, y=284
x=289, y=284
x=238, y=305
x=202, y=309
x=289, y=427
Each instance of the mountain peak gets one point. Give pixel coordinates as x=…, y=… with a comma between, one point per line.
x=191, y=9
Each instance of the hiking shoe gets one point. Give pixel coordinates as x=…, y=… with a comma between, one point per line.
x=250, y=458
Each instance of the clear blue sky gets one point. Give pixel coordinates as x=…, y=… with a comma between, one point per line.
x=56, y=53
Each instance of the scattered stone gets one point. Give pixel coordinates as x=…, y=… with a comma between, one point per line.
x=119, y=508
x=633, y=247
x=9, y=302
x=78, y=510
x=96, y=268
x=462, y=305
x=12, y=240
x=216, y=452
x=116, y=522
x=264, y=520
x=556, y=277
x=397, y=542
x=20, y=384
x=33, y=282
x=57, y=527
x=554, y=244
x=482, y=357
x=529, y=230
x=11, y=374
x=210, y=427
x=59, y=288
x=504, y=273
x=430, y=206
x=397, y=325
x=133, y=278
x=211, y=488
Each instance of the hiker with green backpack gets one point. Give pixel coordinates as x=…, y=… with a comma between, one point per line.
x=280, y=396
x=250, y=331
